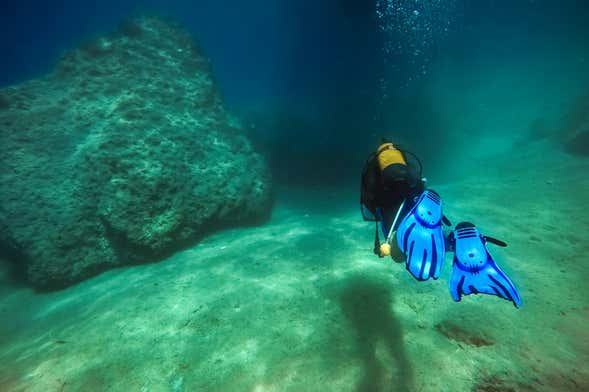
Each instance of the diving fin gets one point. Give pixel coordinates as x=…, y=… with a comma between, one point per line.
x=421, y=239
x=473, y=269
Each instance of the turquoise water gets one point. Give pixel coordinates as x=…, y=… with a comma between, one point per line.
x=179, y=194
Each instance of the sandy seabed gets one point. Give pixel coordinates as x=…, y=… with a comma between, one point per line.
x=302, y=304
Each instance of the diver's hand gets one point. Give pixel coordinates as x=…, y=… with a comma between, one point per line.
x=394, y=251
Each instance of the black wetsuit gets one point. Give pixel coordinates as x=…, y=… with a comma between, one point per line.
x=391, y=198
x=383, y=192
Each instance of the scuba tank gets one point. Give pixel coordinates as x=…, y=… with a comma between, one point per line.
x=389, y=157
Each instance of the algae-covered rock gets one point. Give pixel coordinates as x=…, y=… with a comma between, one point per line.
x=123, y=154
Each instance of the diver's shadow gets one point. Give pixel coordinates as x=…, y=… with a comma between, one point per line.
x=366, y=303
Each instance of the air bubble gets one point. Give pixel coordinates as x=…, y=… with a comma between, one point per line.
x=411, y=29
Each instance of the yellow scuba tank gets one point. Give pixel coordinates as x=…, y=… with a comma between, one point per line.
x=388, y=155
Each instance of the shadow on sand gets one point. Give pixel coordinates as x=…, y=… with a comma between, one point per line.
x=365, y=302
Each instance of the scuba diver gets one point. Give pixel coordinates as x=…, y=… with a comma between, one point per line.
x=393, y=193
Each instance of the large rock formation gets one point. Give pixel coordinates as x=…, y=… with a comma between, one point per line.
x=123, y=154
x=577, y=127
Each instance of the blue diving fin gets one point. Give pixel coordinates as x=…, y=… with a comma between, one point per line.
x=473, y=269
x=421, y=239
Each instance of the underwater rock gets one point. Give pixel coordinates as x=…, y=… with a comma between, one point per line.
x=496, y=383
x=455, y=332
x=578, y=144
x=576, y=127
x=121, y=155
